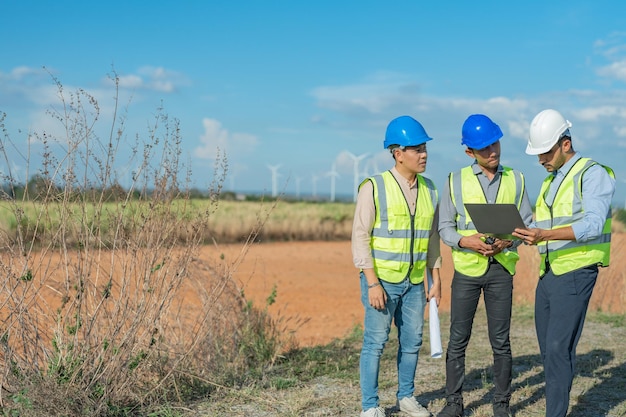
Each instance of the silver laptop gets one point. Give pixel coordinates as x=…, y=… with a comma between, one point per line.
x=499, y=220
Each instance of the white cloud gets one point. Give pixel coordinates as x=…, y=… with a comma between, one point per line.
x=372, y=99
x=613, y=48
x=130, y=81
x=592, y=114
x=378, y=99
x=36, y=89
x=374, y=95
x=22, y=86
x=154, y=79
x=620, y=131
x=21, y=73
x=616, y=70
x=215, y=138
x=517, y=128
x=365, y=108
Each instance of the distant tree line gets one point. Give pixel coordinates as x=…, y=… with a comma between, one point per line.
x=40, y=188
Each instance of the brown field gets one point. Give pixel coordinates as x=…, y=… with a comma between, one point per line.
x=317, y=299
x=316, y=285
x=318, y=291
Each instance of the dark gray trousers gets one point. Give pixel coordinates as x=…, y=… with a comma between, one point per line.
x=497, y=288
x=560, y=308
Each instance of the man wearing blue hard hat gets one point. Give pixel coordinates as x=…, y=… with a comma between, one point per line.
x=394, y=241
x=481, y=264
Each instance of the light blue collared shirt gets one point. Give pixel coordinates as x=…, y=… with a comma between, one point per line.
x=598, y=190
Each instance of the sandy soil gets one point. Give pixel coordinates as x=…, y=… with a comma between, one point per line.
x=318, y=290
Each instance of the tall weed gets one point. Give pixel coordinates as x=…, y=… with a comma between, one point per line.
x=105, y=308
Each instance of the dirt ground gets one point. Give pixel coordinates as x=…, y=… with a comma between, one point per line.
x=317, y=285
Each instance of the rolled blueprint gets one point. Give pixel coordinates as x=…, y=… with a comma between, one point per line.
x=433, y=323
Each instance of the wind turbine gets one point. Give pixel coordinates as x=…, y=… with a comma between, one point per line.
x=372, y=164
x=333, y=174
x=275, y=175
x=298, y=181
x=233, y=174
x=14, y=173
x=314, y=179
x=356, y=160
x=231, y=181
x=136, y=175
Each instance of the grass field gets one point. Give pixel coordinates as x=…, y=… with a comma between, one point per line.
x=228, y=222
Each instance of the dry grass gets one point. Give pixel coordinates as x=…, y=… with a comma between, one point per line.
x=93, y=309
x=229, y=222
x=598, y=388
x=291, y=221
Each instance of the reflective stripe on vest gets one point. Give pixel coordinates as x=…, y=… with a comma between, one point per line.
x=399, y=241
x=466, y=188
x=567, y=255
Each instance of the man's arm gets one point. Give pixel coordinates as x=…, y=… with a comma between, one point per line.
x=364, y=217
x=433, y=259
x=598, y=188
x=448, y=232
x=447, y=218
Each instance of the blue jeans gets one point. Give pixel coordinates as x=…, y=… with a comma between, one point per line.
x=405, y=305
x=560, y=307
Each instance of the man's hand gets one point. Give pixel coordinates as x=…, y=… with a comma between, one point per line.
x=476, y=243
x=485, y=245
x=377, y=297
x=534, y=236
x=501, y=244
x=435, y=290
x=529, y=236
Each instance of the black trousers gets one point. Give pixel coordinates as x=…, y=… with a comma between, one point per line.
x=497, y=288
x=560, y=308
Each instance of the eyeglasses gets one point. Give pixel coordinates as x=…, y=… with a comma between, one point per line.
x=417, y=149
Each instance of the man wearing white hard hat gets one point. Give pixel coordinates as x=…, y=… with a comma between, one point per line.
x=572, y=231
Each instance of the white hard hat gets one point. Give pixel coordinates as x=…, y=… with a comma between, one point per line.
x=545, y=130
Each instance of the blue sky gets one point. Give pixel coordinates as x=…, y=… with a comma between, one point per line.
x=302, y=84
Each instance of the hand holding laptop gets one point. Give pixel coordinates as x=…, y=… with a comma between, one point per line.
x=484, y=244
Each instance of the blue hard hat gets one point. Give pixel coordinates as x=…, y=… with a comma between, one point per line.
x=479, y=131
x=405, y=131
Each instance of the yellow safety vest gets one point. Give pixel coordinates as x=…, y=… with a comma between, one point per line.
x=465, y=188
x=399, y=240
x=567, y=255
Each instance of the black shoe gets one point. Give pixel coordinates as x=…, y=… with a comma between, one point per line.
x=453, y=408
x=502, y=409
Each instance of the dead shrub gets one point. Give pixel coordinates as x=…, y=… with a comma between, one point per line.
x=105, y=309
